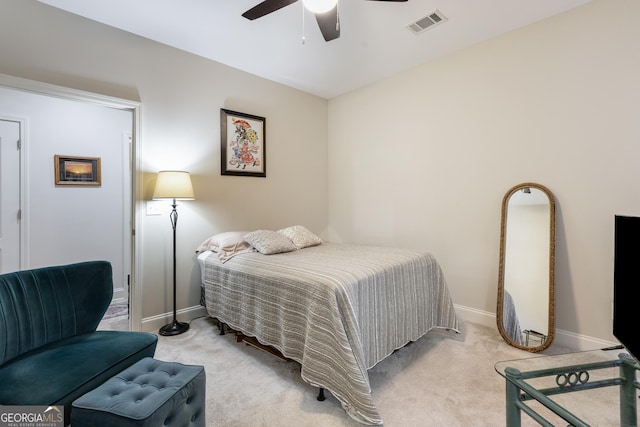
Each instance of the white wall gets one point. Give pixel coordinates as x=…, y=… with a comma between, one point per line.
x=423, y=159
x=181, y=96
x=66, y=224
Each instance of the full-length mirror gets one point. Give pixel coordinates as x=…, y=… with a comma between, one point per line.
x=526, y=282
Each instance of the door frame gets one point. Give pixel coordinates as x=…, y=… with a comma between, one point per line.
x=24, y=212
x=41, y=88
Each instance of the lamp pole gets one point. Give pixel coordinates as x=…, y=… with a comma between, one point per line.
x=175, y=327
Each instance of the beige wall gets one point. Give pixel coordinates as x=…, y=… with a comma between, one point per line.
x=424, y=158
x=181, y=97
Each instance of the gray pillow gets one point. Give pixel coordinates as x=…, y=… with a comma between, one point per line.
x=300, y=236
x=269, y=242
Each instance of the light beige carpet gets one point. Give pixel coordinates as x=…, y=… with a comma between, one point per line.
x=443, y=379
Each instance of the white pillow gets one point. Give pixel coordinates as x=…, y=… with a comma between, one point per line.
x=269, y=242
x=226, y=245
x=300, y=236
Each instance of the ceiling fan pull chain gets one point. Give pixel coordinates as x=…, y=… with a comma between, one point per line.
x=303, y=37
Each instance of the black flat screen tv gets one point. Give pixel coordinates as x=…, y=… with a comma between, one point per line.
x=626, y=283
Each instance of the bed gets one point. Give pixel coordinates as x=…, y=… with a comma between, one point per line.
x=337, y=309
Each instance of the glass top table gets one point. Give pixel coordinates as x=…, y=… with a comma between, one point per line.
x=589, y=388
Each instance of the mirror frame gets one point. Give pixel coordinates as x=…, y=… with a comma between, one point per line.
x=552, y=261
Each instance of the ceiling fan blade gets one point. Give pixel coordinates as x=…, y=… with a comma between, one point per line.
x=329, y=24
x=266, y=7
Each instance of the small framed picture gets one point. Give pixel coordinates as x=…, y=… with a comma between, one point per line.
x=72, y=170
x=242, y=144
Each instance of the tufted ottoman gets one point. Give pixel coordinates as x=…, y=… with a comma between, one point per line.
x=149, y=393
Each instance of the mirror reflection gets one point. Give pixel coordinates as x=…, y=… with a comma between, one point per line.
x=526, y=284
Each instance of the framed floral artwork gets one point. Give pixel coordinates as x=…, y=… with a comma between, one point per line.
x=73, y=170
x=242, y=144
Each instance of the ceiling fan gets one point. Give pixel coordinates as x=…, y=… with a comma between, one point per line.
x=327, y=18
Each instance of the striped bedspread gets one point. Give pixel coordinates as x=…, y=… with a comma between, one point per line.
x=336, y=309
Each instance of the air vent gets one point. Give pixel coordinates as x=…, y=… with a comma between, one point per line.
x=426, y=22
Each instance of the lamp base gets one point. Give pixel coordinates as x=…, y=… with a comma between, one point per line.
x=174, y=328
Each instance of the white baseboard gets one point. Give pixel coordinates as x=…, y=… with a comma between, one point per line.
x=581, y=342
x=473, y=315
x=154, y=323
x=119, y=301
x=571, y=340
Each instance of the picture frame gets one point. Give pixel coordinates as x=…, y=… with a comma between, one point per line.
x=74, y=170
x=242, y=144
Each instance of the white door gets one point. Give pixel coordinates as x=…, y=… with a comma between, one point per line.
x=9, y=195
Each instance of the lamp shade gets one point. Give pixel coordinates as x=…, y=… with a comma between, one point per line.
x=173, y=185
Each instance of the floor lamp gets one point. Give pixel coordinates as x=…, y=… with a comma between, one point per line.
x=175, y=185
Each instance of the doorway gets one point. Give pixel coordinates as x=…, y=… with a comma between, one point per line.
x=57, y=214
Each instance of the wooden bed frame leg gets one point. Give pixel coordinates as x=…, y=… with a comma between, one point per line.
x=221, y=327
x=320, y=397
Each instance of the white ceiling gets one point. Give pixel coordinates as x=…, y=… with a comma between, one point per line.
x=373, y=44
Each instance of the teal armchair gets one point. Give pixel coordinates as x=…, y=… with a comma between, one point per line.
x=50, y=350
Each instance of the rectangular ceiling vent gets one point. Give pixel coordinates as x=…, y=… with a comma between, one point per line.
x=431, y=20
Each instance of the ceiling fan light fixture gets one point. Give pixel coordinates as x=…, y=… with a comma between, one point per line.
x=319, y=6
